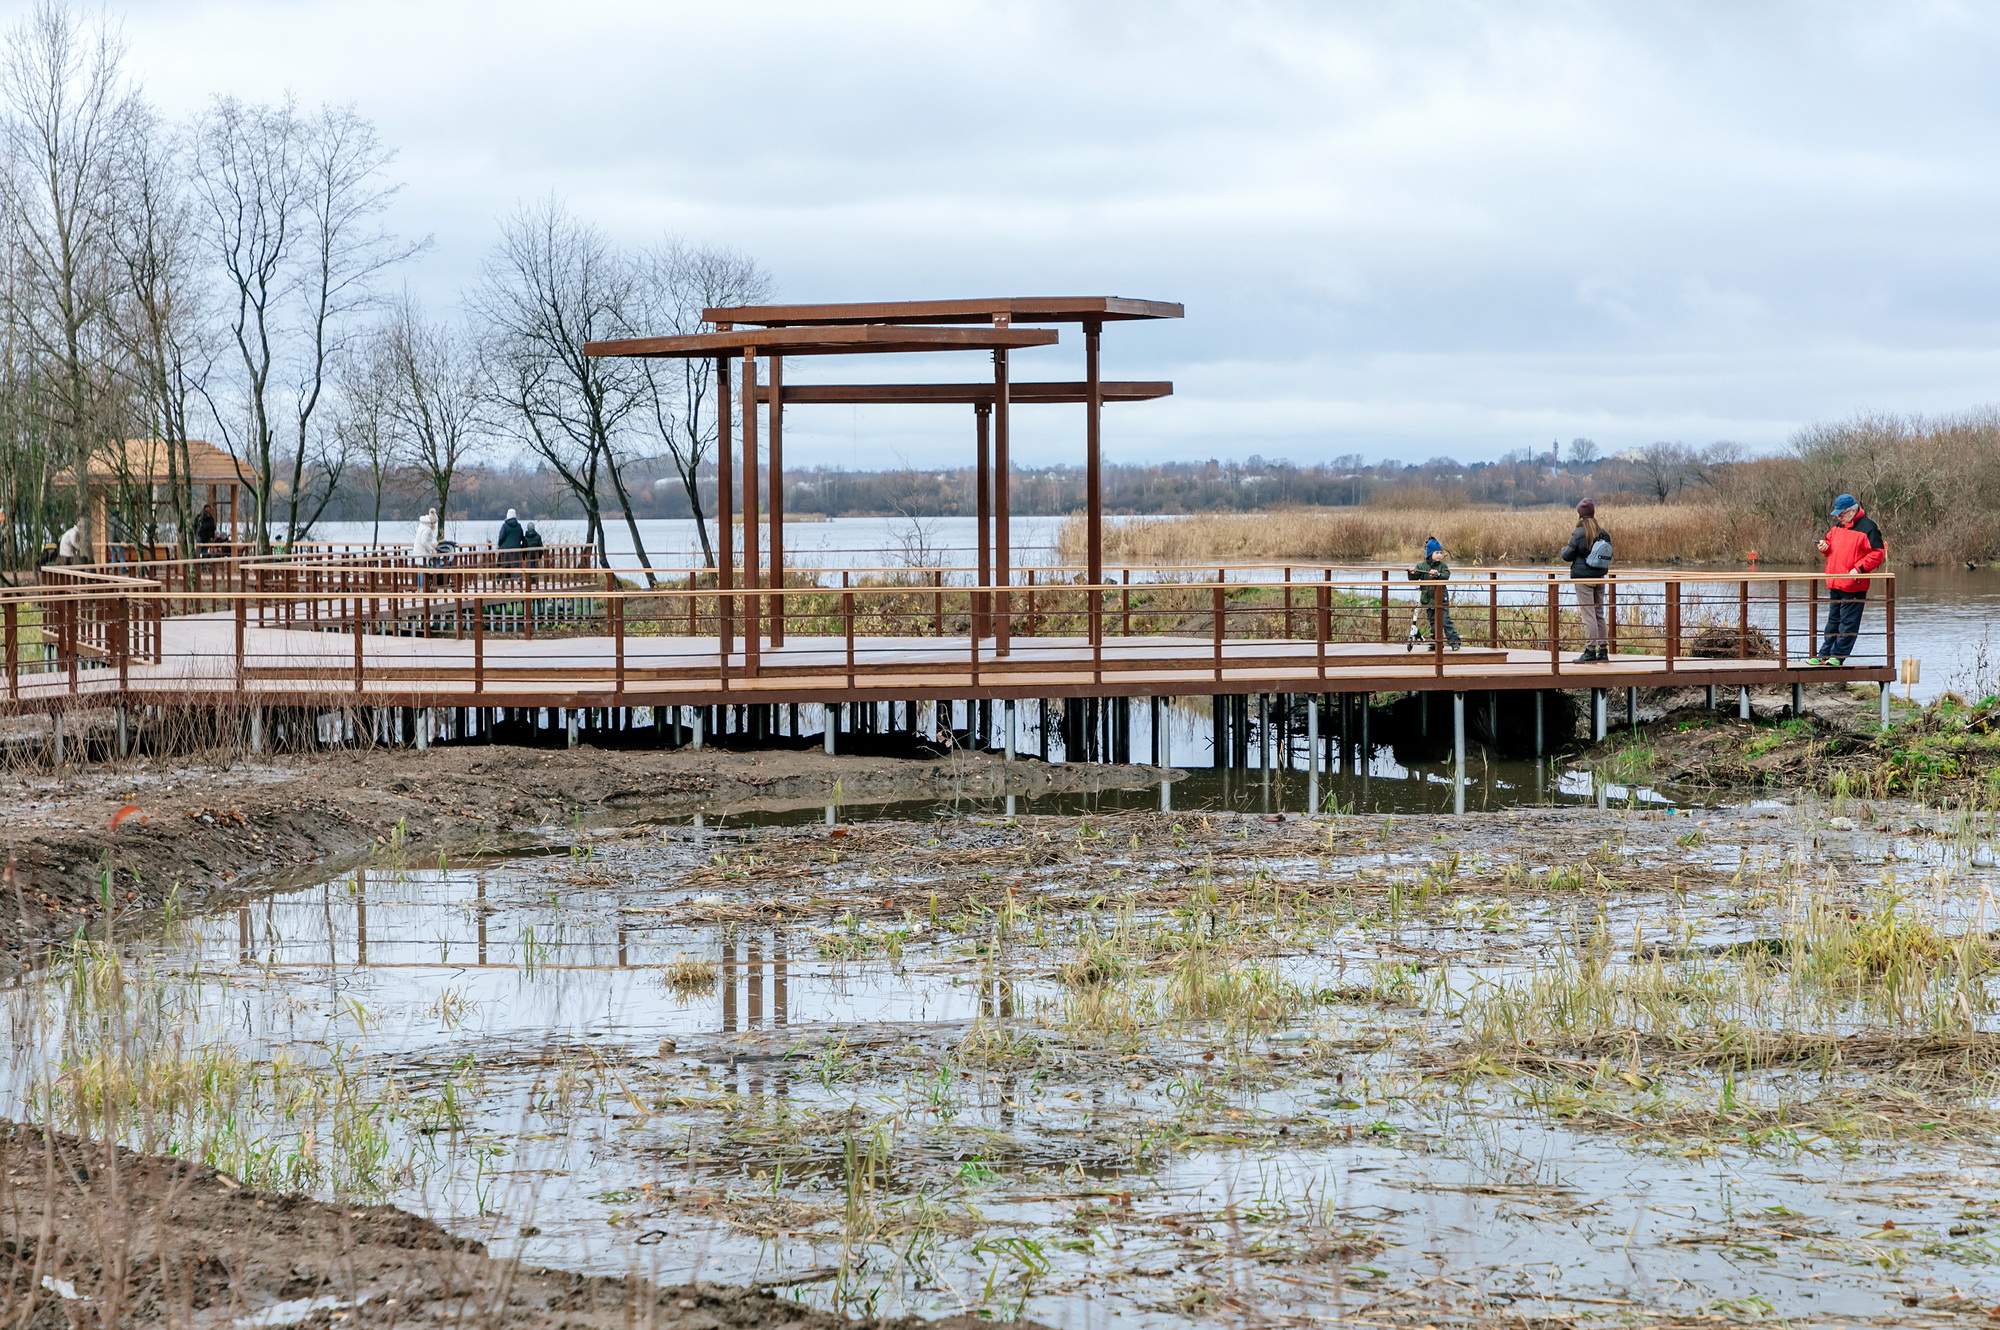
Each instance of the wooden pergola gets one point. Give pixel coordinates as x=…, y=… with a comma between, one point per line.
x=778, y=331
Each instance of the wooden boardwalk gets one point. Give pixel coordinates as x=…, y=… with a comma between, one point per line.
x=199, y=657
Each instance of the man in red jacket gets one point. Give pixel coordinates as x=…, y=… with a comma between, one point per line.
x=1854, y=546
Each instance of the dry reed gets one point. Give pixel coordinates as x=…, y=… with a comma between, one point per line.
x=1670, y=533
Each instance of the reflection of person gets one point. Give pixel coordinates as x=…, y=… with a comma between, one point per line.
x=1854, y=546
x=1433, y=601
x=1589, y=556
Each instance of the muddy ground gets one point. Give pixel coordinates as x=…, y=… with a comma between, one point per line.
x=159, y=1242
x=187, y=830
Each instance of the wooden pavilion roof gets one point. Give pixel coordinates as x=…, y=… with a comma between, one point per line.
x=844, y=339
x=1030, y=309
x=144, y=461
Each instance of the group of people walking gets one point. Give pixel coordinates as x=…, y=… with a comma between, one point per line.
x=516, y=541
x=1853, y=548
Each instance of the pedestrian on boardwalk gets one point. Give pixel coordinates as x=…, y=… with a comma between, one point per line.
x=1588, y=554
x=1433, y=601
x=531, y=545
x=1854, y=546
x=510, y=540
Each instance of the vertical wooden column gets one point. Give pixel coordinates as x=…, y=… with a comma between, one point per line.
x=752, y=605
x=725, y=510
x=1003, y=537
x=982, y=605
x=775, y=483
x=1093, y=475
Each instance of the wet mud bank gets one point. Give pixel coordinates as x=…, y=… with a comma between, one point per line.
x=85, y=845
x=96, y=1235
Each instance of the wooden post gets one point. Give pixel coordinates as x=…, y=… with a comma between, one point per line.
x=1219, y=607
x=1743, y=619
x=1555, y=629
x=1784, y=628
x=1003, y=538
x=1385, y=606
x=13, y=633
x=775, y=485
x=478, y=645
x=614, y=609
x=982, y=603
x=1673, y=623
x=725, y=511
x=1493, y=609
x=241, y=611
x=753, y=630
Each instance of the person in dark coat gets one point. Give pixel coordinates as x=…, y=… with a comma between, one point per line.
x=204, y=531
x=1854, y=546
x=531, y=546
x=1432, y=602
x=510, y=539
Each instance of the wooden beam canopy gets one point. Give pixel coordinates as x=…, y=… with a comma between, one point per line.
x=1027, y=309
x=961, y=394
x=848, y=339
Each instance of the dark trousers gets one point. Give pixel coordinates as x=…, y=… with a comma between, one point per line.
x=1843, y=623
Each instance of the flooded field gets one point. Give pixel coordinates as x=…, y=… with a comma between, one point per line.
x=1116, y=1067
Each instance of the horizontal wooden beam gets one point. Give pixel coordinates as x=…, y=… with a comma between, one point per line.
x=964, y=392
x=1029, y=309
x=843, y=339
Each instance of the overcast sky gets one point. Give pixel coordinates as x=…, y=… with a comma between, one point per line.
x=1400, y=229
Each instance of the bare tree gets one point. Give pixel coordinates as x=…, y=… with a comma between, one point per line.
x=552, y=285
x=681, y=281
x=1582, y=452
x=162, y=307
x=290, y=202
x=362, y=414
x=68, y=116
x=1665, y=468
x=433, y=396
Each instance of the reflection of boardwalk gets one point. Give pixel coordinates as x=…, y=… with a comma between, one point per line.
x=203, y=655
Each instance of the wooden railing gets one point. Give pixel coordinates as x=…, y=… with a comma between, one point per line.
x=338, y=628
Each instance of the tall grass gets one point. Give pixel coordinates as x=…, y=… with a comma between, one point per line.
x=1648, y=534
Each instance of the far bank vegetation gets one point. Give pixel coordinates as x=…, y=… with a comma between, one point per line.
x=1933, y=482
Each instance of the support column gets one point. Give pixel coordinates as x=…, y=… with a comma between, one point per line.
x=57, y=730
x=1743, y=702
x=1710, y=702
x=124, y=733
x=1598, y=719
x=571, y=723
x=774, y=486
x=426, y=719
x=256, y=730
x=725, y=511
x=1631, y=708
x=1798, y=699
x=1458, y=752
x=1010, y=730
x=1541, y=745
x=1885, y=706
x=699, y=725
x=1003, y=536
x=1312, y=732
x=829, y=725
x=752, y=603
x=982, y=603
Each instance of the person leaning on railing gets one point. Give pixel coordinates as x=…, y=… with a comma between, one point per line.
x=1854, y=546
x=1589, y=556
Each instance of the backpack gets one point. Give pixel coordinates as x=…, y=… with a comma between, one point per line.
x=1600, y=554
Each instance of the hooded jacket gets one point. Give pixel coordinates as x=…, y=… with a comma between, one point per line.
x=1576, y=552
x=1854, y=545
x=510, y=534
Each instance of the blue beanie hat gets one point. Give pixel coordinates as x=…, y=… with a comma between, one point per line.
x=1431, y=547
x=1843, y=503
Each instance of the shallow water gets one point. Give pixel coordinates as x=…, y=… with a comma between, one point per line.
x=913, y=1078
